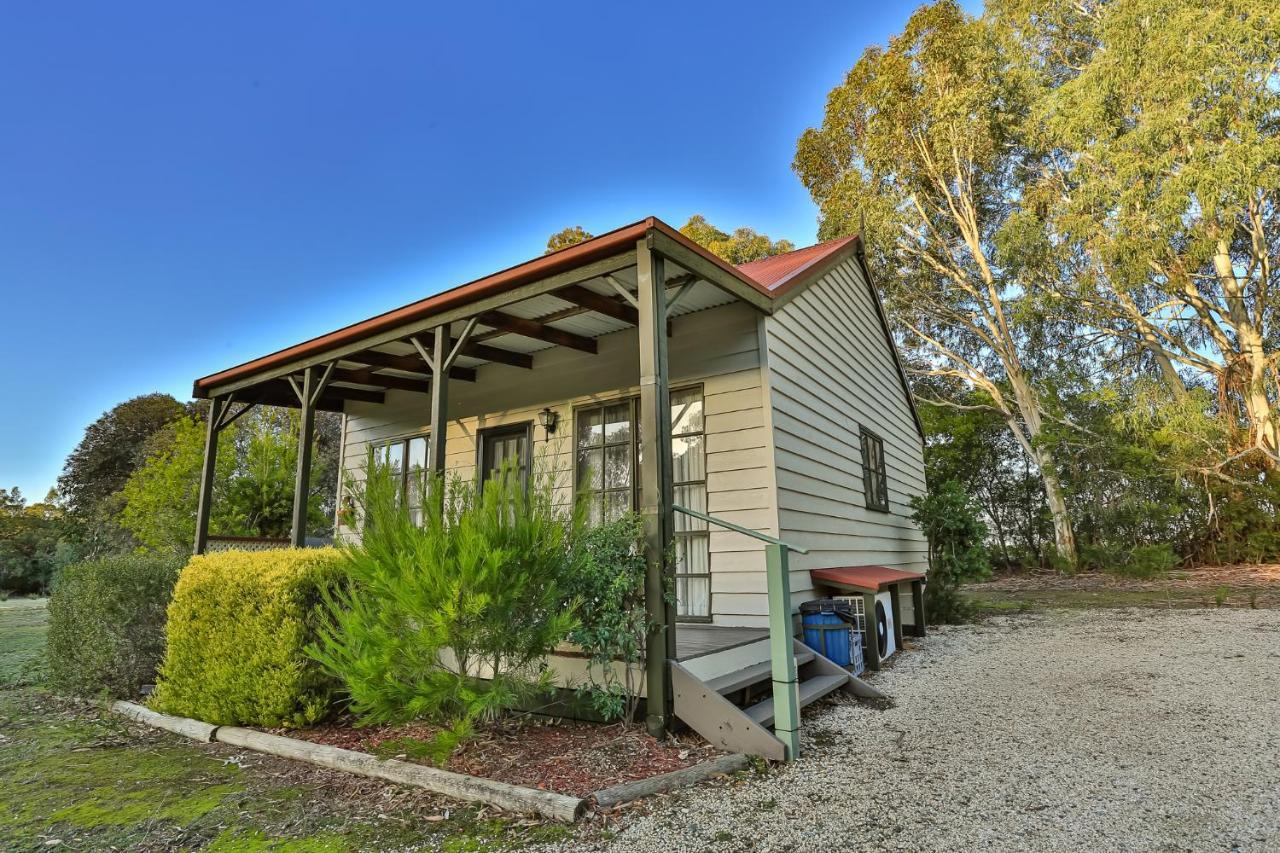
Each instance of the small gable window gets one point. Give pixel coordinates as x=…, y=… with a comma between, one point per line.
x=875, y=481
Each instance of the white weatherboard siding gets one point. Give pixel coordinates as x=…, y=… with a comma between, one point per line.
x=717, y=348
x=830, y=370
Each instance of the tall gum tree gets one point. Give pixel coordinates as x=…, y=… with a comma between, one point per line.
x=922, y=148
x=1164, y=116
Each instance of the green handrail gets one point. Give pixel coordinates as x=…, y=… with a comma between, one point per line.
x=786, y=689
x=737, y=528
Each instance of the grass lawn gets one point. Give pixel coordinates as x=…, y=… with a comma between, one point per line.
x=75, y=778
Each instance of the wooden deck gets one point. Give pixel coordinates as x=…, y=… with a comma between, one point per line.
x=696, y=640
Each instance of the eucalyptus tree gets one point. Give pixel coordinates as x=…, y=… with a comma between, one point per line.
x=924, y=148
x=567, y=237
x=742, y=246
x=1164, y=116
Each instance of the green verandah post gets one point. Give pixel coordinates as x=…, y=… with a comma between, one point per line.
x=786, y=689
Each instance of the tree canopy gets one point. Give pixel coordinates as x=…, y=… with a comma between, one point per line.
x=740, y=247
x=567, y=237
x=1072, y=212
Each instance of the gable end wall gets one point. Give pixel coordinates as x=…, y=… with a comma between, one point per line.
x=831, y=370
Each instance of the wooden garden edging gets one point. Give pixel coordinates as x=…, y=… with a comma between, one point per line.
x=616, y=795
x=184, y=726
x=515, y=798
x=510, y=797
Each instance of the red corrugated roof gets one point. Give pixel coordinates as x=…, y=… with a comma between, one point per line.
x=869, y=578
x=776, y=271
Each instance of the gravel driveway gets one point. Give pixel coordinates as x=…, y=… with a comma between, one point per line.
x=1063, y=730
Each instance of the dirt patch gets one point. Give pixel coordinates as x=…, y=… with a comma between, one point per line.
x=566, y=757
x=1251, y=586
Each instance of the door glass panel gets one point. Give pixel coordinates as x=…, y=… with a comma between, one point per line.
x=505, y=448
x=689, y=475
x=686, y=411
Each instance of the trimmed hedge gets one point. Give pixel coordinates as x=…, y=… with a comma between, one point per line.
x=106, y=624
x=238, y=629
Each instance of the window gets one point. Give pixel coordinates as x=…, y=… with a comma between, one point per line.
x=875, y=482
x=689, y=476
x=508, y=445
x=606, y=458
x=607, y=453
x=407, y=459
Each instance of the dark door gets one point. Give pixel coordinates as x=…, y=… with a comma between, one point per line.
x=505, y=446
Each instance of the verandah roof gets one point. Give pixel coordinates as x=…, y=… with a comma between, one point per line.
x=587, y=293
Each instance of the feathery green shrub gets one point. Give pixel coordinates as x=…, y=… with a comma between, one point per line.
x=451, y=610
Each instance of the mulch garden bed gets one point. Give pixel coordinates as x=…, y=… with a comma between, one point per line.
x=567, y=757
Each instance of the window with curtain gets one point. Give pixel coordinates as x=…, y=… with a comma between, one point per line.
x=407, y=460
x=875, y=479
x=689, y=476
x=606, y=459
x=607, y=454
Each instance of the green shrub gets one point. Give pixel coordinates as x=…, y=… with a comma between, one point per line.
x=1139, y=561
x=956, y=554
x=608, y=581
x=238, y=625
x=106, y=624
x=449, y=617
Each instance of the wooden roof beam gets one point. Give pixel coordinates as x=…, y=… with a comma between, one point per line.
x=365, y=376
x=407, y=363
x=599, y=303
x=486, y=353
x=538, y=331
x=278, y=393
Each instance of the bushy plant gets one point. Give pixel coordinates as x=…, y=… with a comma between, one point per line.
x=106, y=624
x=452, y=607
x=238, y=627
x=608, y=582
x=949, y=519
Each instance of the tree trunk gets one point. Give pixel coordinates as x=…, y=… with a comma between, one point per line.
x=1063, y=536
x=1257, y=404
x=1029, y=407
x=1167, y=371
x=1250, y=341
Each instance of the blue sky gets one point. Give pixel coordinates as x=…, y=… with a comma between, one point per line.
x=186, y=186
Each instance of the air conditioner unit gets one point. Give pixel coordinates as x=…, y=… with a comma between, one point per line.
x=882, y=625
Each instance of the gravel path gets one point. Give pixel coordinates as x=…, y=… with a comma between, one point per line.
x=1065, y=730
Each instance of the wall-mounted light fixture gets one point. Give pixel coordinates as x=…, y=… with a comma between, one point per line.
x=548, y=418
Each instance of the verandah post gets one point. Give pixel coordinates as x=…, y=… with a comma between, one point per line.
x=786, y=689
x=439, y=401
x=656, y=489
x=207, y=474
x=302, y=477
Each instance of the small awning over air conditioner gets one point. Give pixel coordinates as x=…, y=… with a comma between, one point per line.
x=862, y=578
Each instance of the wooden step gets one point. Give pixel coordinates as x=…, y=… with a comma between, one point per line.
x=811, y=690
x=753, y=674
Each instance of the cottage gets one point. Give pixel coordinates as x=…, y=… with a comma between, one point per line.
x=719, y=401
